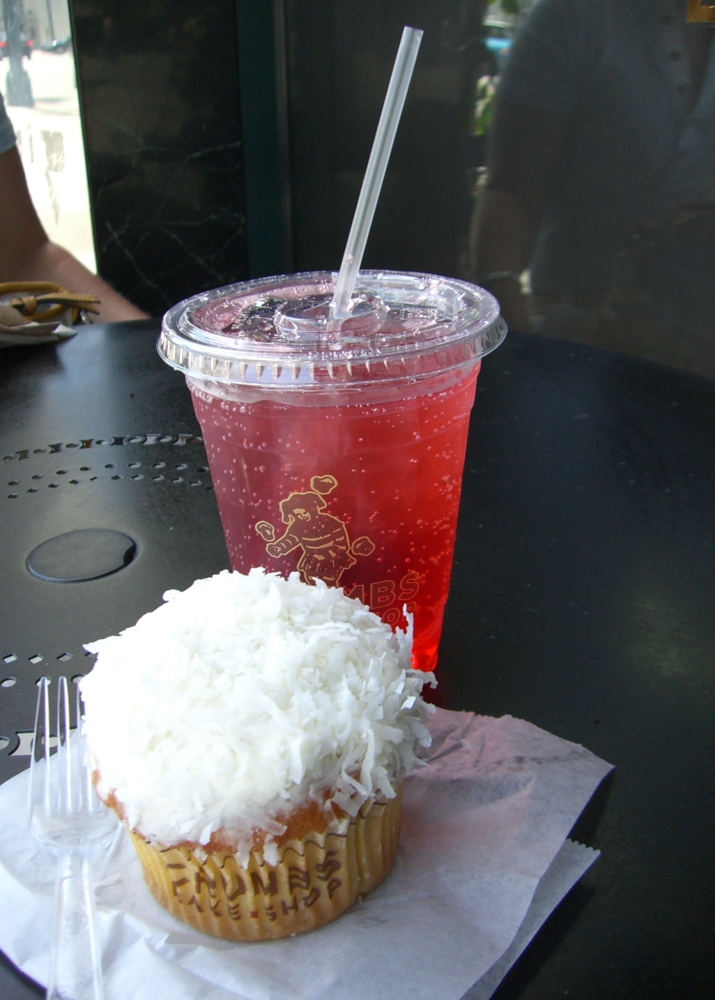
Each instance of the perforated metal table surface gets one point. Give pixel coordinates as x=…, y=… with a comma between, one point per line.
x=583, y=599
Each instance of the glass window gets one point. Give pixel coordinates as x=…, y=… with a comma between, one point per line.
x=43, y=105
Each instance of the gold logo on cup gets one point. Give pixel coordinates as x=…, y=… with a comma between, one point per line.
x=323, y=539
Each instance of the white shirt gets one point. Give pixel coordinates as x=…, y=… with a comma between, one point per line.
x=619, y=69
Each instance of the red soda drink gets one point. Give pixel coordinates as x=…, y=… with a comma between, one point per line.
x=343, y=463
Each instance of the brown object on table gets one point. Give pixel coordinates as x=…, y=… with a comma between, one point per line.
x=18, y=329
x=29, y=295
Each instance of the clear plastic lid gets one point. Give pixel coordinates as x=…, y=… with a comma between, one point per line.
x=276, y=332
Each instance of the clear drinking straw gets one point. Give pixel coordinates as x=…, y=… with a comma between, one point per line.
x=375, y=173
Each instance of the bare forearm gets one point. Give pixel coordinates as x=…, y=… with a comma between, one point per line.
x=523, y=159
x=27, y=255
x=49, y=262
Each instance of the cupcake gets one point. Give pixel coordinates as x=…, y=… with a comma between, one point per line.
x=252, y=733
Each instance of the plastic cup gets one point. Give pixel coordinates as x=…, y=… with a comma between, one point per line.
x=339, y=452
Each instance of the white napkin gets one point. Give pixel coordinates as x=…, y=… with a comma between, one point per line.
x=483, y=825
x=31, y=334
x=562, y=874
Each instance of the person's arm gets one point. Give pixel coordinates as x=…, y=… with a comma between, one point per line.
x=548, y=64
x=26, y=253
x=524, y=154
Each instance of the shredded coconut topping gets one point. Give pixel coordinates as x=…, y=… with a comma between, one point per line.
x=243, y=697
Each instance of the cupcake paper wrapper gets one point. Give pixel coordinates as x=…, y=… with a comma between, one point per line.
x=316, y=878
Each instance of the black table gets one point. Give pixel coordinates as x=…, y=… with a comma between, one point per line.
x=583, y=599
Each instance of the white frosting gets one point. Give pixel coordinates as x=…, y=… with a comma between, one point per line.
x=245, y=696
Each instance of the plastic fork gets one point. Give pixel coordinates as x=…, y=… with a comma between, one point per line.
x=67, y=818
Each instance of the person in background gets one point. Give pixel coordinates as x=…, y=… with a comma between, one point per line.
x=26, y=253
x=603, y=121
